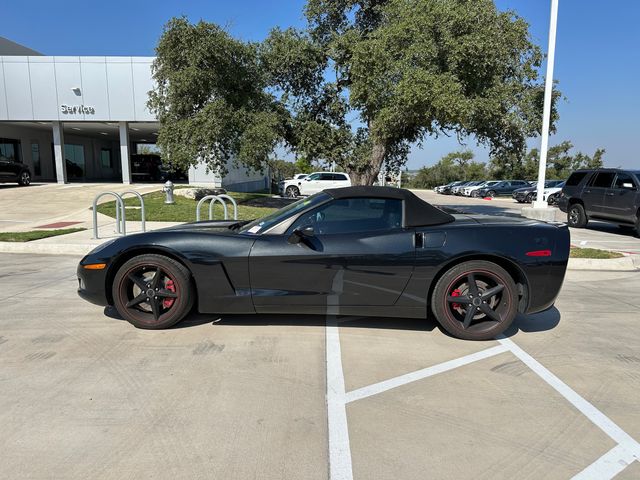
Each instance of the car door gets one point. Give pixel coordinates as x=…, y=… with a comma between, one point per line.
x=358, y=254
x=594, y=192
x=619, y=200
x=340, y=180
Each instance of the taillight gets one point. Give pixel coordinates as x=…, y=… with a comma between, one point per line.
x=539, y=253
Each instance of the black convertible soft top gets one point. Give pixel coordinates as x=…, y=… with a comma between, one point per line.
x=417, y=212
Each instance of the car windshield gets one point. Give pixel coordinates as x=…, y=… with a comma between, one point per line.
x=264, y=223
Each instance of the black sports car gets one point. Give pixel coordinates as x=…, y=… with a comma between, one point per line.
x=374, y=251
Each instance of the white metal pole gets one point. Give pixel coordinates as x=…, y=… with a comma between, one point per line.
x=541, y=202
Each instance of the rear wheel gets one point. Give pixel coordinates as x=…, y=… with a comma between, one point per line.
x=292, y=192
x=529, y=198
x=152, y=291
x=491, y=194
x=475, y=300
x=576, y=216
x=24, y=179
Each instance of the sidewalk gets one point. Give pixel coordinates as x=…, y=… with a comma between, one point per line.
x=80, y=243
x=31, y=208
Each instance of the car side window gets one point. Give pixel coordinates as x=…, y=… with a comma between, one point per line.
x=326, y=177
x=339, y=176
x=623, y=178
x=352, y=215
x=315, y=176
x=603, y=180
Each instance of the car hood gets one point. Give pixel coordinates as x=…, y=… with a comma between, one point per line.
x=525, y=190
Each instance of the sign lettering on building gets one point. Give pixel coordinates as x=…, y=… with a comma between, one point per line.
x=74, y=109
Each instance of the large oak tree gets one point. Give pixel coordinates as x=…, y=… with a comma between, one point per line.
x=365, y=81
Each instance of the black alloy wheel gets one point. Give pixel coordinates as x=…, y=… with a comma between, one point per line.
x=491, y=193
x=529, y=198
x=152, y=291
x=292, y=192
x=475, y=300
x=576, y=216
x=25, y=179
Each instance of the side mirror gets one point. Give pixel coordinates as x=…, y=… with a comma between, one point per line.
x=299, y=234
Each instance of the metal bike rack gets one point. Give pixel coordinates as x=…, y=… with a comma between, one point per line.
x=213, y=198
x=142, y=212
x=120, y=217
x=235, y=205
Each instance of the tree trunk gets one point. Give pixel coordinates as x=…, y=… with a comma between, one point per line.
x=369, y=174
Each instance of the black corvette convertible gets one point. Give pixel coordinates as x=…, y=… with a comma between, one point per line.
x=374, y=251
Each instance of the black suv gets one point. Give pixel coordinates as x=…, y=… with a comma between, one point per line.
x=12, y=171
x=608, y=194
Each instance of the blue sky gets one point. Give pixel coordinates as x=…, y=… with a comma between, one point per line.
x=597, y=53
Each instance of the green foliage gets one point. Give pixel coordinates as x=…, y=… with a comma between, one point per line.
x=184, y=210
x=364, y=81
x=36, y=234
x=459, y=165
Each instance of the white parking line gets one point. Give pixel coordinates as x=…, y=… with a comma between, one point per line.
x=339, y=447
x=598, y=418
x=608, y=465
x=380, y=387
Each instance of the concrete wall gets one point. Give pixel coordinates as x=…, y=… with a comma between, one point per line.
x=238, y=178
x=75, y=88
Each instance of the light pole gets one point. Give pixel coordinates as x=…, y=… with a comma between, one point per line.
x=540, y=201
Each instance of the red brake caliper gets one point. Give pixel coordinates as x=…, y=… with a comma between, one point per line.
x=167, y=302
x=455, y=293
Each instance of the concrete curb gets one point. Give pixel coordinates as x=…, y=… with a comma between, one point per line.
x=628, y=263
x=46, y=248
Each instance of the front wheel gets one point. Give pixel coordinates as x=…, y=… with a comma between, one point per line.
x=292, y=192
x=24, y=179
x=576, y=216
x=491, y=194
x=529, y=198
x=152, y=291
x=475, y=300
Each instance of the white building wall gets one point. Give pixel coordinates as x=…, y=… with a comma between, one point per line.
x=109, y=88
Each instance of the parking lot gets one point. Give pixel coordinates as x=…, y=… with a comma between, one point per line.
x=85, y=395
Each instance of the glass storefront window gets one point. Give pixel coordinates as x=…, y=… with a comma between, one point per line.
x=74, y=161
x=10, y=150
x=105, y=158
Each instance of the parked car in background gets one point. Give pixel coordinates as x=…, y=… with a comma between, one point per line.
x=472, y=191
x=552, y=194
x=314, y=183
x=527, y=194
x=503, y=187
x=607, y=194
x=297, y=176
x=148, y=167
x=446, y=189
x=458, y=190
x=13, y=171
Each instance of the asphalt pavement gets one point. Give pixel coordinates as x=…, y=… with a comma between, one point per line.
x=86, y=395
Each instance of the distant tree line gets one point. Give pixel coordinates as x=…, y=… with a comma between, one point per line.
x=459, y=165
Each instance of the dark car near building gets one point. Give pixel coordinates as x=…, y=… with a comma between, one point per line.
x=528, y=194
x=504, y=187
x=372, y=251
x=11, y=170
x=606, y=194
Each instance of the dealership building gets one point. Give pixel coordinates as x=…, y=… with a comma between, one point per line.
x=82, y=118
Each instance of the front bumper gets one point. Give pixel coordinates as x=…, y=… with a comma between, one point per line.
x=92, y=285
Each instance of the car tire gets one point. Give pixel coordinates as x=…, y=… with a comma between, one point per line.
x=475, y=194
x=576, y=216
x=24, y=179
x=481, y=313
x=292, y=192
x=172, y=301
x=529, y=198
x=491, y=194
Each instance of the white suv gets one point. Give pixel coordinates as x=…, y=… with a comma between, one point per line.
x=314, y=183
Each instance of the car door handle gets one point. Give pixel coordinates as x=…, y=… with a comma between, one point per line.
x=610, y=194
